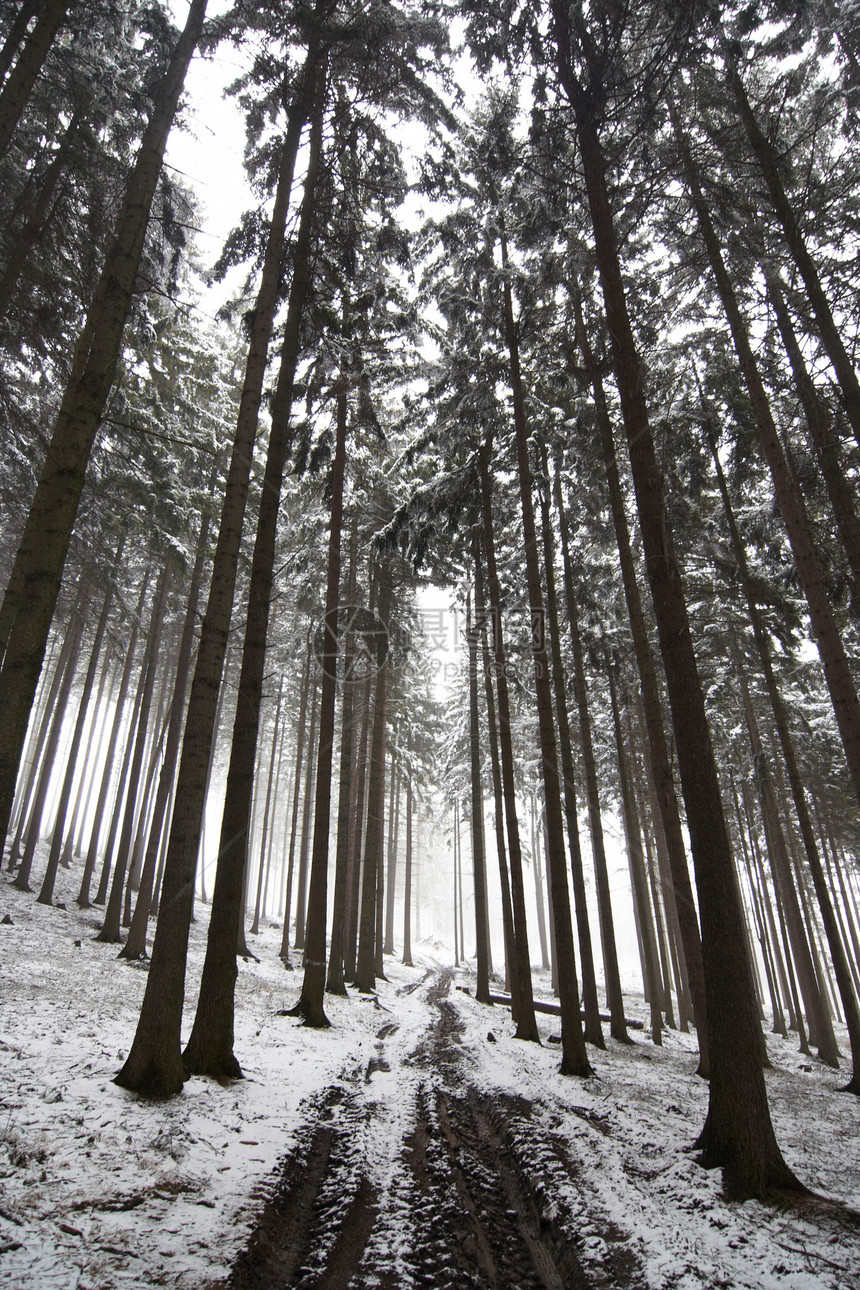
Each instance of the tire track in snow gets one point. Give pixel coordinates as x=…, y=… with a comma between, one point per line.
x=406, y=1178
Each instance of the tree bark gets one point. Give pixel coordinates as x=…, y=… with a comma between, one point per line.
x=46, y=893
x=365, y=969
x=27, y=10
x=591, y=1006
x=633, y=836
x=479, y=864
x=738, y=1133
x=83, y=899
x=310, y=1004
x=522, y=996
x=837, y=670
x=766, y=156
x=304, y=692
x=615, y=999
x=498, y=797
x=19, y=83
x=38, y=565
x=657, y=748
x=407, y=878
x=574, y=1058
x=825, y=444
x=49, y=751
x=110, y=931
x=135, y=946
x=155, y=1063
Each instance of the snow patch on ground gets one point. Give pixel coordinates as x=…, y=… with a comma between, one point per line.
x=100, y=1190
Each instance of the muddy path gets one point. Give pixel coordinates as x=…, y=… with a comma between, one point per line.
x=406, y=1176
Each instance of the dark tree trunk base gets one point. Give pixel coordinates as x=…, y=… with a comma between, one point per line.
x=153, y=1081
x=620, y=1035
x=574, y=1068
x=310, y=1014
x=751, y=1175
x=140, y=957
x=222, y=1067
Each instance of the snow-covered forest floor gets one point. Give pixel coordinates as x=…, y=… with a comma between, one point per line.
x=434, y=1148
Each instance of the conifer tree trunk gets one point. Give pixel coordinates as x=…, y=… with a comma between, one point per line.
x=482, y=933
x=614, y=997
x=647, y=947
x=304, y=693
x=355, y=837
x=574, y=1059
x=837, y=671
x=155, y=1062
x=270, y=780
x=310, y=1004
x=835, y=940
x=540, y=906
x=83, y=899
x=498, y=798
x=101, y=710
x=657, y=748
x=455, y=907
x=365, y=968
x=135, y=946
x=522, y=996
x=335, y=983
x=591, y=1007
x=738, y=1133
x=27, y=10
x=210, y=1046
x=23, y=76
x=307, y=817
x=36, y=573
x=111, y=927
x=820, y=1025
x=46, y=894
x=378, y=960
x=407, y=877
x=653, y=888
x=156, y=747
x=769, y=161
x=49, y=751
x=37, y=746
x=825, y=444
x=393, y=840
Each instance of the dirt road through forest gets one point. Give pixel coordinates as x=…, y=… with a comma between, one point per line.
x=405, y=1175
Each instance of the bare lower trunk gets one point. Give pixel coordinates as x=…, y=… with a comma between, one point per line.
x=738, y=1133
x=111, y=927
x=479, y=866
x=521, y=968
x=310, y=1004
x=591, y=1007
x=657, y=747
x=574, y=1058
x=365, y=971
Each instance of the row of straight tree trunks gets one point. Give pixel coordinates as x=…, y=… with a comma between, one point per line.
x=113, y=747
x=778, y=948
x=655, y=923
